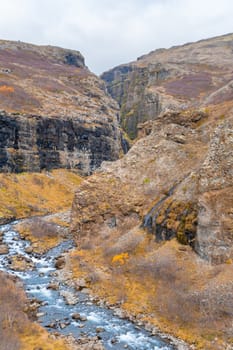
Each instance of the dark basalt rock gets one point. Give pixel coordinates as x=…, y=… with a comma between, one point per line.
x=74, y=60
x=33, y=143
x=137, y=104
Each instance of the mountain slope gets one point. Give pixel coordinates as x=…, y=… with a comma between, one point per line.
x=155, y=227
x=187, y=76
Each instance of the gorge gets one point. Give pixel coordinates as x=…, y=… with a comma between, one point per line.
x=150, y=226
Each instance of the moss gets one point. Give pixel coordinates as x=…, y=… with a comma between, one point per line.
x=176, y=218
x=146, y=181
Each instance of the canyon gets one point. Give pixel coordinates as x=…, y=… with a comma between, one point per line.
x=153, y=224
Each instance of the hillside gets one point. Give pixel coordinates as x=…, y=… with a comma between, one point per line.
x=158, y=222
x=187, y=76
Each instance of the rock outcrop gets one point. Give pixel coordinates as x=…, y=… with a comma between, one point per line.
x=188, y=76
x=54, y=111
x=215, y=215
x=156, y=182
x=176, y=182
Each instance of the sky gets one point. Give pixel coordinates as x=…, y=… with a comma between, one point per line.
x=112, y=32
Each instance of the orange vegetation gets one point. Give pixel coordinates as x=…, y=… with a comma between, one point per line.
x=6, y=89
x=120, y=258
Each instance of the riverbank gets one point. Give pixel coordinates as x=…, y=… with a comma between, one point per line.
x=164, y=286
x=64, y=310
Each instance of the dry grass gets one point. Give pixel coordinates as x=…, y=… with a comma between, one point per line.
x=27, y=194
x=42, y=234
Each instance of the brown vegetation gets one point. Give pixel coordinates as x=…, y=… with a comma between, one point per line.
x=41, y=233
x=190, y=86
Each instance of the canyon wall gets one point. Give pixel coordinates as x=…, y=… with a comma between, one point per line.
x=54, y=111
x=187, y=76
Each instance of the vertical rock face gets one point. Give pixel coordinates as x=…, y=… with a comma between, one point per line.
x=188, y=76
x=54, y=111
x=215, y=218
x=32, y=143
x=128, y=85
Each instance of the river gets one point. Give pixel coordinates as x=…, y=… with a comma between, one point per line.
x=115, y=332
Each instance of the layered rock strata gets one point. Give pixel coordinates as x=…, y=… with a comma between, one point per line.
x=54, y=111
x=34, y=143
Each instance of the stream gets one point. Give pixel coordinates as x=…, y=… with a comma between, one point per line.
x=56, y=315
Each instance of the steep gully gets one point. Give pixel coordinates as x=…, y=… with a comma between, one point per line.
x=55, y=314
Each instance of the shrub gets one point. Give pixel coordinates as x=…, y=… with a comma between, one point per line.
x=40, y=228
x=6, y=89
x=120, y=258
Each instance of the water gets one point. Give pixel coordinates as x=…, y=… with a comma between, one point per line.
x=116, y=333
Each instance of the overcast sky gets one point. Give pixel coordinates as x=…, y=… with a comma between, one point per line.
x=111, y=32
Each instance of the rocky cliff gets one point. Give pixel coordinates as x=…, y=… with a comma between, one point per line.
x=159, y=220
x=54, y=111
x=176, y=182
x=188, y=76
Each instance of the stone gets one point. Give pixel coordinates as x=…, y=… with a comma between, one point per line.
x=60, y=263
x=69, y=297
x=99, y=329
x=29, y=250
x=79, y=317
x=53, y=286
x=81, y=325
x=76, y=316
x=80, y=284
x=62, y=325
x=4, y=249
x=52, y=325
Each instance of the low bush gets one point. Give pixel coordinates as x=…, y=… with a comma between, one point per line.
x=40, y=228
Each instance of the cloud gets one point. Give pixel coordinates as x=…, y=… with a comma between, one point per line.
x=111, y=32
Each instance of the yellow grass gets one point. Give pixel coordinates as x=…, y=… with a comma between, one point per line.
x=36, y=337
x=39, y=244
x=27, y=194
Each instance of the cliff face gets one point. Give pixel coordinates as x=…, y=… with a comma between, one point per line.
x=33, y=143
x=215, y=214
x=188, y=76
x=54, y=112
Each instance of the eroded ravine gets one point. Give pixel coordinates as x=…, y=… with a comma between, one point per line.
x=57, y=315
